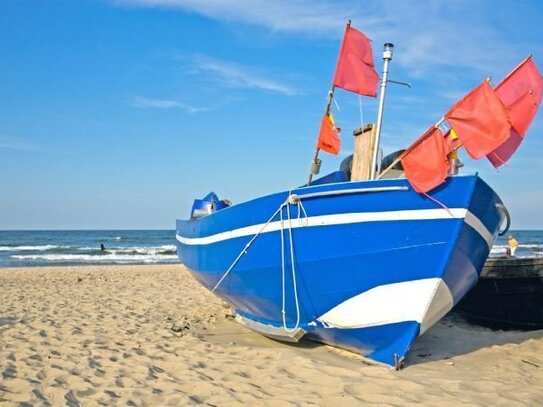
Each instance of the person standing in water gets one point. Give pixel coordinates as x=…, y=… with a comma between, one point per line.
x=102, y=247
x=512, y=245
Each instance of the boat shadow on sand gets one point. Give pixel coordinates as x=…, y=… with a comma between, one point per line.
x=452, y=336
x=455, y=336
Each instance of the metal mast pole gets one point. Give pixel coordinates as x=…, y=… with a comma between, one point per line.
x=387, y=57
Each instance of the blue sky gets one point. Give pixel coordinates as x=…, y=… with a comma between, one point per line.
x=117, y=114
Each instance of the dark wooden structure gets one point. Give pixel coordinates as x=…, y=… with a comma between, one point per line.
x=509, y=294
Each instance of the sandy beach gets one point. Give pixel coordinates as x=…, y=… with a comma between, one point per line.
x=103, y=336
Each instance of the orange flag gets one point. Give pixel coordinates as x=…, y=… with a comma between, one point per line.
x=355, y=68
x=329, y=135
x=426, y=164
x=521, y=93
x=480, y=120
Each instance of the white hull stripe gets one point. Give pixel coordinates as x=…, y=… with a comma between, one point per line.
x=480, y=228
x=346, y=218
x=424, y=301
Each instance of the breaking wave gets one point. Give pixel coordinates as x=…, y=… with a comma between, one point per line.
x=523, y=250
x=80, y=247
x=58, y=254
x=109, y=258
x=33, y=248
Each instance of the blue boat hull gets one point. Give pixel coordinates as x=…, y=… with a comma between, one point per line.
x=366, y=266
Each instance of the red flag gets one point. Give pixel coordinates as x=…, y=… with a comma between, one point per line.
x=355, y=68
x=504, y=152
x=425, y=163
x=521, y=93
x=526, y=78
x=480, y=120
x=329, y=135
x=522, y=112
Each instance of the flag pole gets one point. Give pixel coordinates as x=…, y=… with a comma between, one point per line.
x=316, y=163
x=411, y=147
x=387, y=57
x=514, y=70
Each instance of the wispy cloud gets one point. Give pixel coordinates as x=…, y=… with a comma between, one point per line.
x=431, y=34
x=151, y=103
x=436, y=34
x=234, y=75
x=282, y=15
x=13, y=143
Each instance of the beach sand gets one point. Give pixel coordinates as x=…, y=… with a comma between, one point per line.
x=103, y=335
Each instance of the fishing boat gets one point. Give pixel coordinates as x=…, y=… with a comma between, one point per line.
x=360, y=259
x=509, y=294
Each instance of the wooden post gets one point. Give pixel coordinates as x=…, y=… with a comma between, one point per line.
x=364, y=143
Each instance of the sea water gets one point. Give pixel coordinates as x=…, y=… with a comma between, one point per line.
x=530, y=243
x=80, y=247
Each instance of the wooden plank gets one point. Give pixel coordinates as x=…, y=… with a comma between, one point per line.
x=364, y=143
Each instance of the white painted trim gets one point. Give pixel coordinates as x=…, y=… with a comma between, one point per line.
x=328, y=220
x=439, y=304
x=424, y=301
x=480, y=228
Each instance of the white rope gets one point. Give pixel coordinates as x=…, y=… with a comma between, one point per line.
x=291, y=200
x=337, y=105
x=283, y=294
x=294, y=283
x=295, y=198
x=361, y=111
x=247, y=247
x=301, y=210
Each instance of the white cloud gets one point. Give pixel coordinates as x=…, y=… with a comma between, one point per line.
x=239, y=76
x=429, y=34
x=282, y=16
x=17, y=144
x=150, y=103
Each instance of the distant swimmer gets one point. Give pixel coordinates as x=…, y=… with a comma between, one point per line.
x=512, y=245
x=102, y=247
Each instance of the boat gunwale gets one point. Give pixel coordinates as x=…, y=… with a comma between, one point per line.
x=326, y=186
